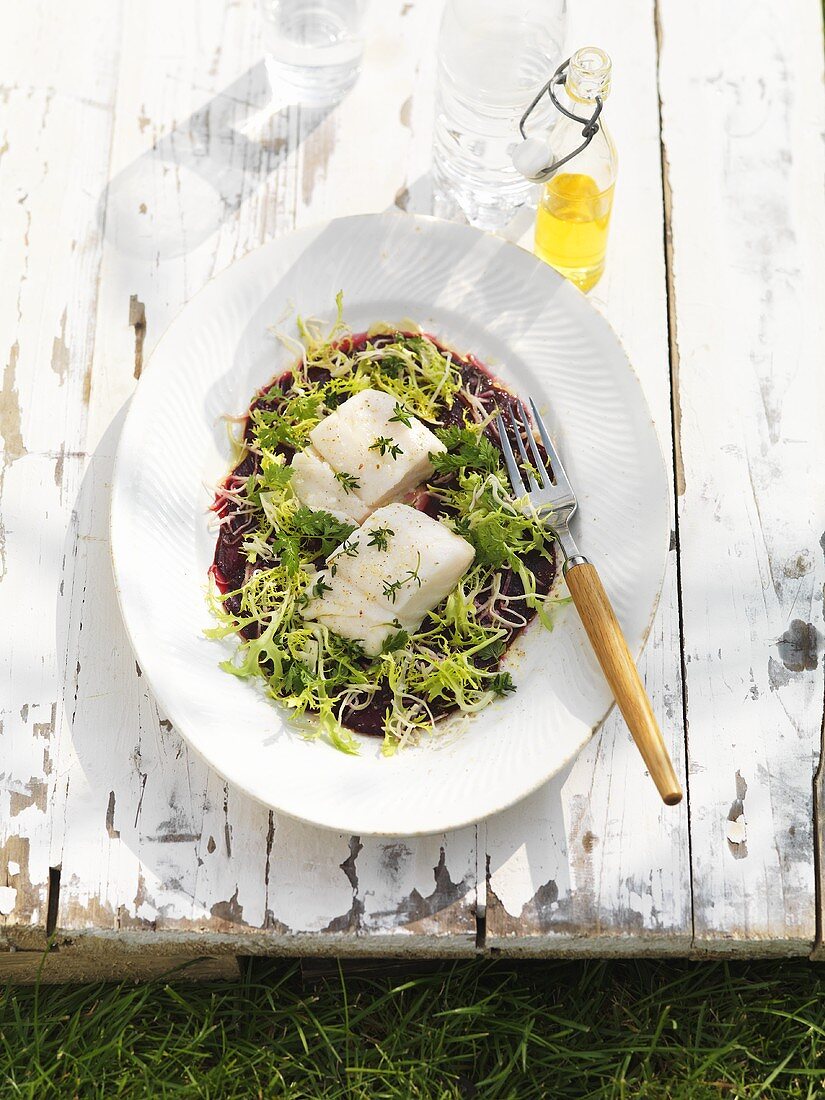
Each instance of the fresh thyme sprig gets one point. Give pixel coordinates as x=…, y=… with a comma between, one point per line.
x=385, y=445
x=392, y=588
x=379, y=537
x=401, y=416
x=347, y=482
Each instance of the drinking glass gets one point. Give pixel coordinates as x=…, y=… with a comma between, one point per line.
x=314, y=47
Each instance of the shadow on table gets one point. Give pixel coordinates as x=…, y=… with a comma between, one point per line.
x=168, y=201
x=182, y=848
x=156, y=840
x=421, y=197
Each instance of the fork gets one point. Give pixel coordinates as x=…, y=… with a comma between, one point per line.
x=551, y=495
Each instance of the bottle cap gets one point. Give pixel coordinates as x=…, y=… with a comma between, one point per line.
x=532, y=157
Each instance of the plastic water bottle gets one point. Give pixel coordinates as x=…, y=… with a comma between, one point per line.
x=493, y=57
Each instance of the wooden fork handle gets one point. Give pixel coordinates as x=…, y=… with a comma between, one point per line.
x=621, y=673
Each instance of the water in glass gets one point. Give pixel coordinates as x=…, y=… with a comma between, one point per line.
x=314, y=47
x=492, y=59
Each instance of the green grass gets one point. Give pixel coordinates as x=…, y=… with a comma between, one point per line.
x=471, y=1029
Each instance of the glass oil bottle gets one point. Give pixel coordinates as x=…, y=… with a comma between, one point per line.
x=573, y=218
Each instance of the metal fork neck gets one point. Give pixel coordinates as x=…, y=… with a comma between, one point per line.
x=570, y=563
x=571, y=552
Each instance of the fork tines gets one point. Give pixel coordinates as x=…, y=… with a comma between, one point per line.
x=533, y=465
x=547, y=475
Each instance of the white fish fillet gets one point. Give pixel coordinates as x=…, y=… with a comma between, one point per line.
x=374, y=592
x=345, y=438
x=315, y=485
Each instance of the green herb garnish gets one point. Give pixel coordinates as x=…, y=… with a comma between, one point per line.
x=401, y=416
x=380, y=537
x=384, y=445
x=502, y=683
x=395, y=642
x=347, y=549
x=467, y=448
x=347, y=481
x=451, y=660
x=392, y=588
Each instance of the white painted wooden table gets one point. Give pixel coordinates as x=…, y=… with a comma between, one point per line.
x=140, y=153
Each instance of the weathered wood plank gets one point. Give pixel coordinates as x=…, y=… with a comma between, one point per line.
x=818, y=952
x=65, y=965
x=156, y=845
x=157, y=853
x=58, y=95
x=742, y=107
x=594, y=863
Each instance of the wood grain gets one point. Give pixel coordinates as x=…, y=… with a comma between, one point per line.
x=742, y=112
x=594, y=863
x=58, y=95
x=207, y=164
x=52, y=967
x=130, y=175
x=611, y=649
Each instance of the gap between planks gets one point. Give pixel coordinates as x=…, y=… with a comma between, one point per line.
x=818, y=952
x=675, y=425
x=739, y=889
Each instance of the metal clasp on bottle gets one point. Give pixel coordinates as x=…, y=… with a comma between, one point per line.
x=526, y=156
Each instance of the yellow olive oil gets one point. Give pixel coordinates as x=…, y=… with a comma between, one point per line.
x=573, y=218
x=572, y=225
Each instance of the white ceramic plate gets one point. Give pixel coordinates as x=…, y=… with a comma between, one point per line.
x=542, y=337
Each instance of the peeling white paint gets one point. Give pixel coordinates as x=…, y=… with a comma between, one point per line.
x=736, y=831
x=8, y=898
x=747, y=223
x=191, y=854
